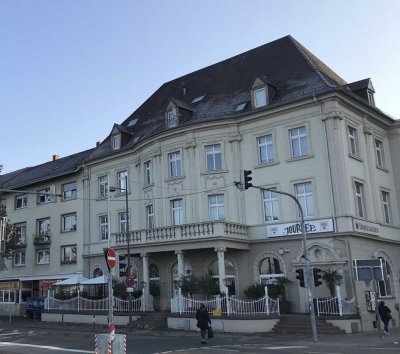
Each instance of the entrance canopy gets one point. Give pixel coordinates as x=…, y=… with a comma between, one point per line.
x=74, y=280
x=95, y=281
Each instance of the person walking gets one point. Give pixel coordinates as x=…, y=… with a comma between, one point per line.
x=203, y=321
x=384, y=314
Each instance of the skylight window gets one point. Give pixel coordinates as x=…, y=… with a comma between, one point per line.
x=198, y=99
x=133, y=122
x=241, y=107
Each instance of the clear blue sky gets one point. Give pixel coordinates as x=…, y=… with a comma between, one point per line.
x=69, y=69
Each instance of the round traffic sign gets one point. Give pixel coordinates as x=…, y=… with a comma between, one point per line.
x=129, y=282
x=111, y=258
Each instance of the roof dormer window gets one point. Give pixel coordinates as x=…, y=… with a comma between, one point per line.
x=171, y=119
x=260, y=97
x=116, y=141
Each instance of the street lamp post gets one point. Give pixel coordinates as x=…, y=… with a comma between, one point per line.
x=110, y=288
x=306, y=260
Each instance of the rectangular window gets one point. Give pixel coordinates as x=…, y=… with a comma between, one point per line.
x=69, y=222
x=174, y=159
x=19, y=258
x=216, y=207
x=8, y=296
x=260, y=97
x=21, y=233
x=171, y=119
x=213, y=157
x=270, y=201
x=353, y=141
x=103, y=227
x=43, y=229
x=103, y=186
x=43, y=256
x=68, y=254
x=122, y=222
x=116, y=141
x=304, y=195
x=386, y=207
x=380, y=157
x=122, y=178
x=43, y=196
x=266, y=151
x=148, y=173
x=150, y=216
x=21, y=201
x=177, y=211
x=69, y=191
x=359, y=199
x=298, y=142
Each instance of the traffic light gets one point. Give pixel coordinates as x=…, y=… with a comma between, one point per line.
x=300, y=277
x=317, y=276
x=247, y=179
x=122, y=265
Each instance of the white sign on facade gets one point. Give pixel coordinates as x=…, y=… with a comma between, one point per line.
x=365, y=227
x=312, y=227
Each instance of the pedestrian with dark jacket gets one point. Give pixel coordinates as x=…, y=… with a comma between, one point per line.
x=384, y=314
x=203, y=321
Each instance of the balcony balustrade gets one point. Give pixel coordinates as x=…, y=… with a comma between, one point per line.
x=42, y=238
x=185, y=232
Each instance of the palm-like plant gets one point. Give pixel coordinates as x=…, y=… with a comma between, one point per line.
x=331, y=278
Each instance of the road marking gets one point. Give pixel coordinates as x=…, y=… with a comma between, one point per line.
x=285, y=347
x=10, y=333
x=10, y=344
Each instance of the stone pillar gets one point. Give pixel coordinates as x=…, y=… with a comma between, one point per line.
x=146, y=279
x=221, y=268
x=181, y=271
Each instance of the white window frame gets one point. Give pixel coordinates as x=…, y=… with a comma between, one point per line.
x=69, y=191
x=69, y=254
x=299, y=145
x=172, y=119
x=216, y=207
x=177, y=211
x=148, y=172
x=121, y=181
x=19, y=258
x=20, y=229
x=69, y=222
x=116, y=141
x=8, y=296
x=23, y=200
x=266, y=147
x=46, y=256
x=43, y=227
x=386, y=207
x=122, y=222
x=305, y=195
x=103, y=227
x=103, y=186
x=260, y=97
x=270, y=205
x=379, y=153
x=354, y=148
x=359, y=199
x=43, y=196
x=175, y=164
x=385, y=285
x=150, y=216
x=213, y=157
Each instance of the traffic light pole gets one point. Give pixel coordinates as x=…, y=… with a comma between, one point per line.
x=128, y=271
x=306, y=260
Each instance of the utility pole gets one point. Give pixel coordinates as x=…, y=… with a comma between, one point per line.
x=128, y=272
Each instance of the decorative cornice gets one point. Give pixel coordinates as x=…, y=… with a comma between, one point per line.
x=334, y=114
x=190, y=144
x=234, y=138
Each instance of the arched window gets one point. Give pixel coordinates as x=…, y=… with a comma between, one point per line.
x=269, y=270
x=154, y=272
x=229, y=275
x=384, y=286
x=97, y=273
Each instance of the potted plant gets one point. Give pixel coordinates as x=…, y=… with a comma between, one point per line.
x=331, y=278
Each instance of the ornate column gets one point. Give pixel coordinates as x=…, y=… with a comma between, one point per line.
x=181, y=271
x=221, y=268
x=192, y=171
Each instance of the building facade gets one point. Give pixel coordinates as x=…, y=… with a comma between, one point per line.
x=166, y=177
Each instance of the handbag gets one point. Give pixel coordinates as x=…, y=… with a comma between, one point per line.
x=210, y=332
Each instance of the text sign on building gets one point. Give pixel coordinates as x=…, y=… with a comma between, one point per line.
x=369, y=269
x=312, y=227
x=365, y=227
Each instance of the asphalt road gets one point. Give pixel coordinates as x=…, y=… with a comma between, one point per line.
x=28, y=337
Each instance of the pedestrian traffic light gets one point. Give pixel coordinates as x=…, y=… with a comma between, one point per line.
x=247, y=179
x=300, y=277
x=317, y=276
x=122, y=265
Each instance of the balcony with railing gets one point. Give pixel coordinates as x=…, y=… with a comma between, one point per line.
x=187, y=232
x=42, y=238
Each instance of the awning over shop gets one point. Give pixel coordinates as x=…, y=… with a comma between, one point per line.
x=94, y=281
x=74, y=280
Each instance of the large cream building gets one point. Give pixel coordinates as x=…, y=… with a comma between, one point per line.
x=276, y=110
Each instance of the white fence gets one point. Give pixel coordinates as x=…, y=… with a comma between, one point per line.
x=79, y=304
x=336, y=306
x=227, y=304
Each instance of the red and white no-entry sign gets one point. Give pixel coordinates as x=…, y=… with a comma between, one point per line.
x=111, y=258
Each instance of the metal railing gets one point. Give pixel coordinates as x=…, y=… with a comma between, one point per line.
x=227, y=305
x=80, y=303
x=335, y=306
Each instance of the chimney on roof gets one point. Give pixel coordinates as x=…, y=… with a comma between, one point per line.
x=184, y=90
x=56, y=157
x=97, y=143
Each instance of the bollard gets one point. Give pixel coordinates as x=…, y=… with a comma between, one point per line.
x=94, y=321
x=118, y=346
